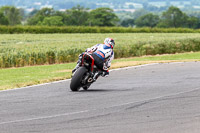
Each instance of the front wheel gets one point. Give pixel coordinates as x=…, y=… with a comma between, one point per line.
x=86, y=87
x=77, y=78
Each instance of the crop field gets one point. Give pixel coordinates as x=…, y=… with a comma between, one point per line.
x=18, y=50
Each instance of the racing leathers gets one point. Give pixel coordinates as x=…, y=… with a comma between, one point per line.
x=103, y=54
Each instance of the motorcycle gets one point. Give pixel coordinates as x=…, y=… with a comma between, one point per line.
x=86, y=74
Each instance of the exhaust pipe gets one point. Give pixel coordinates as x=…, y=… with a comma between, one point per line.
x=90, y=80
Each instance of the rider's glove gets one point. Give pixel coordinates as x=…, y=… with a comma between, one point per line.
x=80, y=59
x=105, y=73
x=80, y=55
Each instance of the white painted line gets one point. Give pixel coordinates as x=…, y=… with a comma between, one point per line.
x=86, y=111
x=36, y=85
x=45, y=117
x=117, y=69
x=70, y=79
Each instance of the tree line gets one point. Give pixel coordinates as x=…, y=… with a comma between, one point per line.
x=173, y=17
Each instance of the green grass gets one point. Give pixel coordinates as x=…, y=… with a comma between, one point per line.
x=44, y=42
x=181, y=56
x=18, y=50
x=19, y=77
x=127, y=45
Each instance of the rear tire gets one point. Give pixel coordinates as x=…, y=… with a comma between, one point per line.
x=76, y=79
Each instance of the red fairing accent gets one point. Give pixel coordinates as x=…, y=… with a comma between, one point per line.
x=82, y=59
x=92, y=67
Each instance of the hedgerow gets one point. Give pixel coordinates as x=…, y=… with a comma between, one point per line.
x=84, y=29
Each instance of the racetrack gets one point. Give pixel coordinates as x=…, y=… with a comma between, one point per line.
x=159, y=98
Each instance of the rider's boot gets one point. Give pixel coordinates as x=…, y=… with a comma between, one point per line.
x=97, y=75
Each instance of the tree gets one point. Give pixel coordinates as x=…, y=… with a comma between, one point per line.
x=22, y=14
x=128, y=22
x=194, y=13
x=46, y=12
x=139, y=13
x=32, y=13
x=103, y=17
x=148, y=20
x=193, y=22
x=173, y=17
x=13, y=14
x=40, y=15
x=52, y=21
x=76, y=16
x=3, y=19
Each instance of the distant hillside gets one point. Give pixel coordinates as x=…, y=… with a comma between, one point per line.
x=118, y=5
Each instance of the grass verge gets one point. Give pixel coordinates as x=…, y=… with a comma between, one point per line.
x=26, y=76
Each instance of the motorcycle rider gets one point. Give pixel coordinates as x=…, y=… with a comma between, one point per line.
x=103, y=54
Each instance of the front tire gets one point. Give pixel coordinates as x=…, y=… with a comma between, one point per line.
x=76, y=79
x=85, y=88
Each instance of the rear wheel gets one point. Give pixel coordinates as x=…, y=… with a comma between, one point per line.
x=77, y=78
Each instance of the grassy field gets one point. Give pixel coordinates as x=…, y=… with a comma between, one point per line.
x=18, y=50
x=25, y=76
x=37, y=51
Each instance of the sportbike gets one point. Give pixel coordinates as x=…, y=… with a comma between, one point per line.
x=86, y=74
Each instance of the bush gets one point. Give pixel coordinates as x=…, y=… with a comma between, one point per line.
x=84, y=29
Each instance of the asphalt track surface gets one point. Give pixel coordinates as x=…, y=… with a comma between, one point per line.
x=159, y=98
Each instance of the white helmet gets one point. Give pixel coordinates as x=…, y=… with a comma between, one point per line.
x=109, y=41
